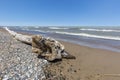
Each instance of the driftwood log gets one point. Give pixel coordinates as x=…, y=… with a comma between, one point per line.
x=48, y=48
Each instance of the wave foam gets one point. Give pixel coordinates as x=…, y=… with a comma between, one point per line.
x=79, y=34
x=57, y=28
x=103, y=30
x=33, y=30
x=90, y=35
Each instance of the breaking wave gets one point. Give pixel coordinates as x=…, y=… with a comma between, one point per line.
x=80, y=34
x=34, y=30
x=57, y=28
x=102, y=30
x=90, y=35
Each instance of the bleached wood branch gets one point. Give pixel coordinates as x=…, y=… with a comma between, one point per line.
x=23, y=38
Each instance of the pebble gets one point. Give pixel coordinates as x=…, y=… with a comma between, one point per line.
x=5, y=77
x=17, y=62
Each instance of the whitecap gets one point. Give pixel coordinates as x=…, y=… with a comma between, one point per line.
x=102, y=30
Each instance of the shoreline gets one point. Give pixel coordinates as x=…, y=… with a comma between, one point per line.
x=90, y=64
x=106, y=44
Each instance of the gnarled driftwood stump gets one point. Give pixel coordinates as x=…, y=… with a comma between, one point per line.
x=48, y=48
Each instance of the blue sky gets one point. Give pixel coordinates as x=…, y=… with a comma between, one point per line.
x=60, y=12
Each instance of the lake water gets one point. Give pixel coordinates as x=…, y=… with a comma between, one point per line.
x=96, y=37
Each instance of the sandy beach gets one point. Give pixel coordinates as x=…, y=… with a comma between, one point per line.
x=90, y=63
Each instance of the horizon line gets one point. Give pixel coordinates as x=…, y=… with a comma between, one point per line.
x=60, y=25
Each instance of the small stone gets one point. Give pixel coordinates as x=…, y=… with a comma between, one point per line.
x=5, y=77
x=75, y=71
x=35, y=68
x=31, y=71
x=0, y=78
x=10, y=79
x=28, y=74
x=69, y=70
x=24, y=78
x=18, y=58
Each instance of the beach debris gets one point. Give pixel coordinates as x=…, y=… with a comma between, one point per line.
x=48, y=48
